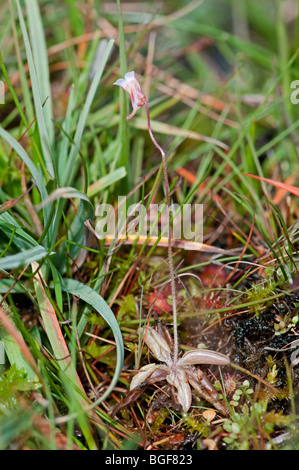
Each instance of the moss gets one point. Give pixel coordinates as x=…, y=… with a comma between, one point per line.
x=12, y=381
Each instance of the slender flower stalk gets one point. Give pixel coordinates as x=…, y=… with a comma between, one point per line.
x=138, y=99
x=170, y=258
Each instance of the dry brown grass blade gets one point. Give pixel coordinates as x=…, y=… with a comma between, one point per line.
x=108, y=32
x=12, y=202
x=208, y=102
x=163, y=241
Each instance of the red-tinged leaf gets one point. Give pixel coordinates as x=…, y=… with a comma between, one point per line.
x=213, y=276
x=177, y=438
x=159, y=302
x=287, y=187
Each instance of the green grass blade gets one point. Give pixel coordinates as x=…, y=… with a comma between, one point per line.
x=47, y=152
x=12, y=91
x=62, y=153
x=23, y=257
x=123, y=130
x=27, y=160
x=39, y=49
x=35, y=173
x=70, y=169
x=14, y=354
x=106, y=181
x=65, y=193
x=26, y=95
x=90, y=296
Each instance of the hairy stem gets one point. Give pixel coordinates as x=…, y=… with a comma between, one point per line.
x=170, y=259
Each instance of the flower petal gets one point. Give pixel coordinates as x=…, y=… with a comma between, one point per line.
x=134, y=111
x=130, y=76
x=121, y=82
x=203, y=356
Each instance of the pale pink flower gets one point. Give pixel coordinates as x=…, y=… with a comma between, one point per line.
x=131, y=85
